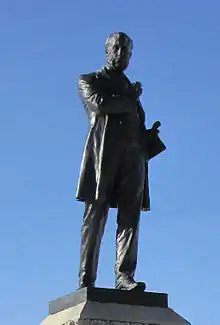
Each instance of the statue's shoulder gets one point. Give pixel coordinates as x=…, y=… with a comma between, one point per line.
x=92, y=76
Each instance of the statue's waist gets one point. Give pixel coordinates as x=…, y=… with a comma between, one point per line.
x=124, y=125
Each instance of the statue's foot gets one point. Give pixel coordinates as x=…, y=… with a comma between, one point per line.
x=126, y=283
x=84, y=285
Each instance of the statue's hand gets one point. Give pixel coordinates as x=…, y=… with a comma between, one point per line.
x=155, y=127
x=137, y=86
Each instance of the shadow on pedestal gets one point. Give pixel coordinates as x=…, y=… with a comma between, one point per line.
x=101, y=295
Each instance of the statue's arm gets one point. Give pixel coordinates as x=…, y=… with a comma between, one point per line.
x=98, y=101
x=141, y=115
x=155, y=126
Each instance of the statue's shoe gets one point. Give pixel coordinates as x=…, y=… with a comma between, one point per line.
x=129, y=284
x=83, y=285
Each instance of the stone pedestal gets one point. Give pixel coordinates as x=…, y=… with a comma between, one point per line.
x=98, y=306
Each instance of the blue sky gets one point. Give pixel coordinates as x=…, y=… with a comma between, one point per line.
x=45, y=45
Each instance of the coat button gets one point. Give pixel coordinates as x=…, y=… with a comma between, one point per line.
x=120, y=122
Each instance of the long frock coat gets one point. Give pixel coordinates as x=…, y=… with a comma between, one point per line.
x=99, y=105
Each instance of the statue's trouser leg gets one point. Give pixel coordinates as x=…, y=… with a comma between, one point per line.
x=92, y=230
x=127, y=240
x=129, y=195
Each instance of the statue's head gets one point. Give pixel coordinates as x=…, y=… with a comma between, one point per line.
x=118, y=48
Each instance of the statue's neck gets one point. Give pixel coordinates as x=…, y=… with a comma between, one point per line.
x=108, y=66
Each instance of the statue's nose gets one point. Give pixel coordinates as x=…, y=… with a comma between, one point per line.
x=121, y=51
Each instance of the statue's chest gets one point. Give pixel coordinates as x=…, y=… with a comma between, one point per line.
x=115, y=86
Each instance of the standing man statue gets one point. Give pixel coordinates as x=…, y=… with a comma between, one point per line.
x=114, y=169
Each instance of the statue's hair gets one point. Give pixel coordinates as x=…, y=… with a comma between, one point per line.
x=117, y=34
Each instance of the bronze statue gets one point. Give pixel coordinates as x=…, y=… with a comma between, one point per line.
x=114, y=168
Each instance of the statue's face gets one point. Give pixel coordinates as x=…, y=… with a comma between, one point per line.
x=119, y=51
